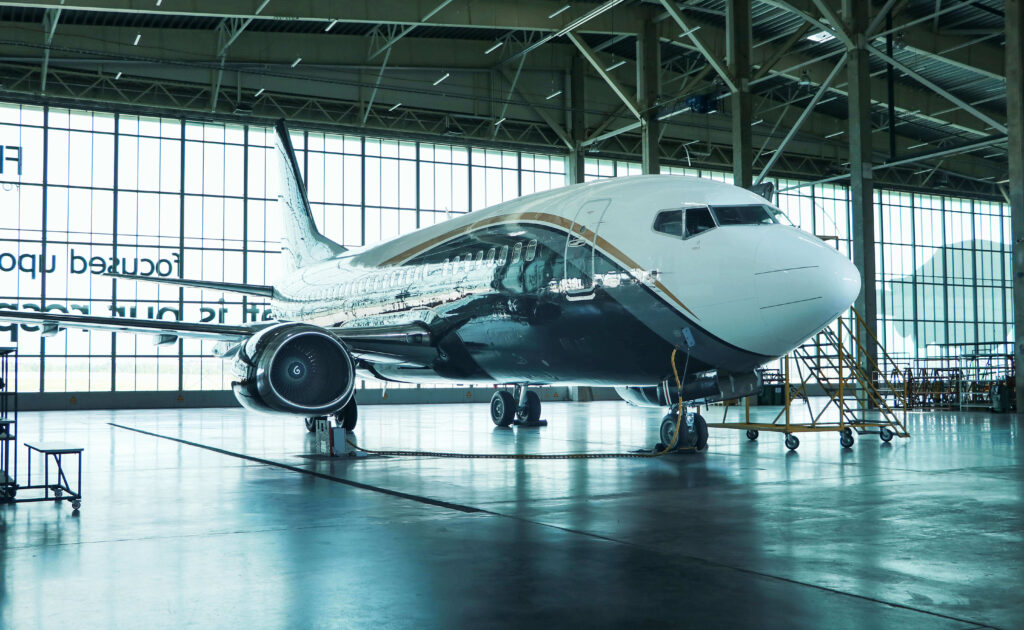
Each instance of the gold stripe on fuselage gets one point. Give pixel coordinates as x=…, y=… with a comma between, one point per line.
x=533, y=217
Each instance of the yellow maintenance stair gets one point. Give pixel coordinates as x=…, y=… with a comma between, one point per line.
x=833, y=383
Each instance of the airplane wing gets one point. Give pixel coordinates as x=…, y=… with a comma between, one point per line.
x=230, y=287
x=51, y=323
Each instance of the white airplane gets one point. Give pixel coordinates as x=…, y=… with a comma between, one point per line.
x=591, y=284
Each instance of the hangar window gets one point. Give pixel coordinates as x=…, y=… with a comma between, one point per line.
x=754, y=214
x=531, y=250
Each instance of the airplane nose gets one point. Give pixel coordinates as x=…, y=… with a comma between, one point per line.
x=802, y=285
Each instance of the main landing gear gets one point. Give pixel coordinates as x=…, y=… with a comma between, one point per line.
x=693, y=432
x=345, y=419
x=521, y=408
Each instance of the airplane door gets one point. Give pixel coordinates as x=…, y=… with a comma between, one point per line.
x=579, y=249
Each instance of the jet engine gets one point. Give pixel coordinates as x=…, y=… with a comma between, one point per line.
x=701, y=388
x=294, y=369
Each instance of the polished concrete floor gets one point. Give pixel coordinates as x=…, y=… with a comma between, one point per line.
x=920, y=533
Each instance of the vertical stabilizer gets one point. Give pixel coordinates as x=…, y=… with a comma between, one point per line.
x=301, y=243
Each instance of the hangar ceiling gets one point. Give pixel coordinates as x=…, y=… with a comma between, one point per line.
x=500, y=73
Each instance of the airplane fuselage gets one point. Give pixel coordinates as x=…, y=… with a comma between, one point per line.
x=577, y=285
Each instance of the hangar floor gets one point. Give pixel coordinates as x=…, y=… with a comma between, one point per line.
x=922, y=533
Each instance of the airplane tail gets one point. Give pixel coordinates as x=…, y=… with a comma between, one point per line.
x=301, y=243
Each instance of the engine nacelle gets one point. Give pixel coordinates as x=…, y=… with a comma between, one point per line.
x=702, y=388
x=296, y=369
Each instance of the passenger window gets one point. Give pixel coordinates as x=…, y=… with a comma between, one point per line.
x=517, y=253
x=503, y=255
x=531, y=250
x=698, y=220
x=490, y=255
x=479, y=255
x=669, y=222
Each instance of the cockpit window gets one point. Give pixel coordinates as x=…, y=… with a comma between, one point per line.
x=669, y=222
x=698, y=220
x=745, y=215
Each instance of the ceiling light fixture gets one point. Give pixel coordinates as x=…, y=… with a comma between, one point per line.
x=296, y=62
x=394, y=107
x=918, y=146
x=833, y=135
x=138, y=36
x=615, y=65
x=446, y=75
x=494, y=47
x=257, y=95
x=117, y=76
x=559, y=12
x=500, y=120
x=552, y=95
x=330, y=26
x=822, y=37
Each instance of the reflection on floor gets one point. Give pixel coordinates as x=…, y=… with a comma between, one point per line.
x=925, y=532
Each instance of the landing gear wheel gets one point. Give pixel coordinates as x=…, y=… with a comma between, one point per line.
x=76, y=504
x=700, y=427
x=668, y=432
x=503, y=408
x=311, y=425
x=846, y=439
x=530, y=413
x=752, y=435
x=348, y=416
x=886, y=434
x=792, y=442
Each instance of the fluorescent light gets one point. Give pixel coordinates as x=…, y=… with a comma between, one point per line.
x=158, y=2
x=446, y=75
x=296, y=62
x=330, y=26
x=823, y=36
x=494, y=47
x=833, y=135
x=615, y=65
x=757, y=122
x=257, y=95
x=559, y=12
x=394, y=107
x=117, y=76
x=552, y=95
x=500, y=120
x=138, y=36
x=918, y=146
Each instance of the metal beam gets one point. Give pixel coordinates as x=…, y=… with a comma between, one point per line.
x=1015, y=118
x=540, y=110
x=577, y=119
x=858, y=72
x=739, y=46
x=567, y=29
x=227, y=32
x=959, y=102
x=376, y=85
x=822, y=89
x=591, y=56
x=50, y=19
x=691, y=33
x=408, y=29
x=648, y=90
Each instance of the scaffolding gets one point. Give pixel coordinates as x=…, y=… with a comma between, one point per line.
x=860, y=396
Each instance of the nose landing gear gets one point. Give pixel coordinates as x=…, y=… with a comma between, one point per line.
x=693, y=432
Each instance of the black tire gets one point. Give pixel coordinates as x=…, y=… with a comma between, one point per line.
x=530, y=414
x=752, y=435
x=348, y=417
x=846, y=440
x=503, y=408
x=792, y=442
x=668, y=429
x=886, y=434
x=700, y=425
x=311, y=425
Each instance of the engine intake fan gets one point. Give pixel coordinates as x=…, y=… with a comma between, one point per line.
x=294, y=369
